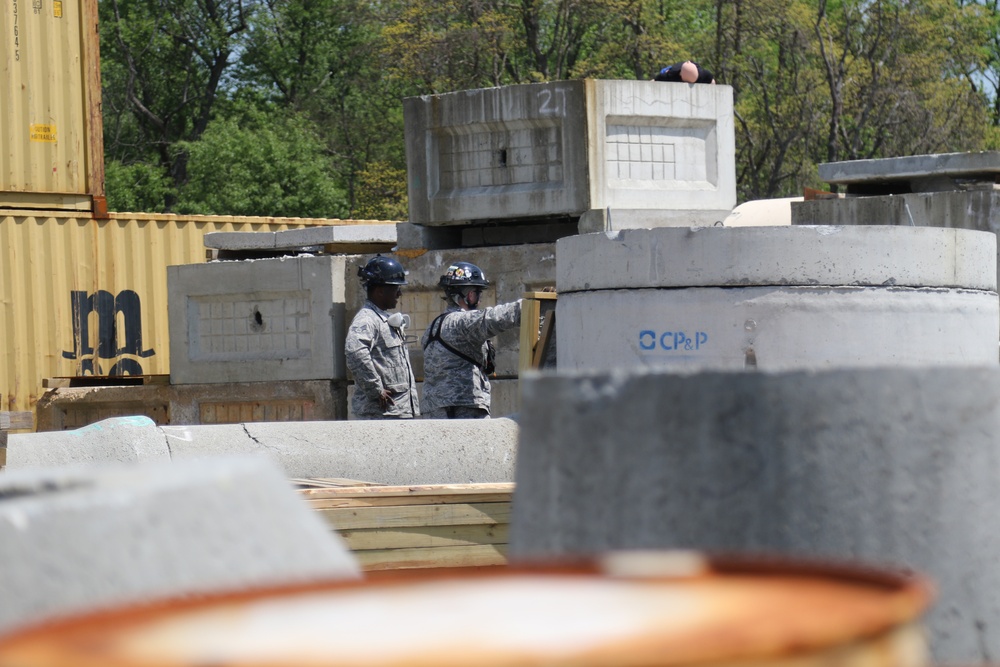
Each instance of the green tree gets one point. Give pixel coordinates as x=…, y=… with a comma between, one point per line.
x=164, y=66
x=260, y=164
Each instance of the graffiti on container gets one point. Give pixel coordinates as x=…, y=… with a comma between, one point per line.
x=122, y=343
x=671, y=341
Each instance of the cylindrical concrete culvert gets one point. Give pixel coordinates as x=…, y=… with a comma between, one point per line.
x=892, y=466
x=777, y=298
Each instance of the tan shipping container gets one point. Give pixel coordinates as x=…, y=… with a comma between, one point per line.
x=51, y=143
x=80, y=296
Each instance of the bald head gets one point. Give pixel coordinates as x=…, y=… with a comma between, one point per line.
x=689, y=72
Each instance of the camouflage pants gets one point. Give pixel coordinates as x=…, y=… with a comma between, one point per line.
x=458, y=412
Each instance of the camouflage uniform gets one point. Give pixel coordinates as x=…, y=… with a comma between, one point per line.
x=378, y=358
x=449, y=380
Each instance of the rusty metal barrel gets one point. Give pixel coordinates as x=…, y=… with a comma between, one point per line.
x=624, y=608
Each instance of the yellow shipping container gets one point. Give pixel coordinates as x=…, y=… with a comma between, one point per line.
x=51, y=143
x=81, y=296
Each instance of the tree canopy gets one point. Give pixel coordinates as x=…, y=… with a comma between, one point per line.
x=294, y=107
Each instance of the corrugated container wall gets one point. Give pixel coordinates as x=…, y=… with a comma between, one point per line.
x=51, y=143
x=80, y=296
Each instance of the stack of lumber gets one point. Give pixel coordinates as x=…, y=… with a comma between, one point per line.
x=403, y=527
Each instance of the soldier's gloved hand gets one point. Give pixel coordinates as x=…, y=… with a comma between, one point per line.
x=385, y=399
x=549, y=288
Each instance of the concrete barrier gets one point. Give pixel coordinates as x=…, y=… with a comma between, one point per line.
x=82, y=538
x=422, y=451
x=889, y=465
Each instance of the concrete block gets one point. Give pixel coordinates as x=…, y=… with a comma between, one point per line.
x=611, y=219
x=568, y=147
x=887, y=465
x=80, y=539
x=396, y=452
x=915, y=173
x=240, y=240
x=280, y=319
x=121, y=440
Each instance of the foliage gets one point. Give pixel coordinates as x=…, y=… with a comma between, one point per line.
x=135, y=187
x=260, y=164
x=295, y=107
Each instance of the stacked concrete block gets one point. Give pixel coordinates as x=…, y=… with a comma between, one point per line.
x=81, y=539
x=250, y=321
x=610, y=154
x=885, y=465
x=396, y=452
x=777, y=298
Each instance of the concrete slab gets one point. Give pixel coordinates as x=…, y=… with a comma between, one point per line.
x=396, y=452
x=121, y=440
x=422, y=451
x=80, y=539
x=279, y=319
x=569, y=148
x=915, y=173
x=886, y=465
x=383, y=232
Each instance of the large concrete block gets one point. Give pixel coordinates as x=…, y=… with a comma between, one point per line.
x=84, y=538
x=652, y=153
x=888, y=465
x=777, y=297
x=422, y=451
x=274, y=319
x=395, y=452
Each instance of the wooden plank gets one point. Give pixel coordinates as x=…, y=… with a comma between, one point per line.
x=530, y=311
x=419, y=515
x=10, y=421
x=425, y=537
x=415, y=490
x=544, y=340
x=329, y=482
x=398, y=501
x=397, y=559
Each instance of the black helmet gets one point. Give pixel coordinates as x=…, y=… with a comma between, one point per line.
x=382, y=271
x=463, y=274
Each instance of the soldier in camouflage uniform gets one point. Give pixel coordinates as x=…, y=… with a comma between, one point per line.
x=384, y=384
x=457, y=351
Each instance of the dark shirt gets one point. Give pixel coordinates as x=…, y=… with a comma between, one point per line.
x=673, y=73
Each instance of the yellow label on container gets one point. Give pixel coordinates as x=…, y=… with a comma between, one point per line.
x=57, y=8
x=44, y=133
